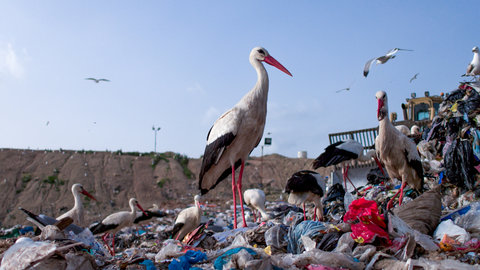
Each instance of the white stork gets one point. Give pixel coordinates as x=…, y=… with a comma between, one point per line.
x=473, y=68
x=255, y=199
x=306, y=186
x=237, y=132
x=343, y=153
x=396, y=151
x=187, y=220
x=76, y=213
x=116, y=221
x=381, y=59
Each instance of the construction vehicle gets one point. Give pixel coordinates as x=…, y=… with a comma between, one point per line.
x=418, y=111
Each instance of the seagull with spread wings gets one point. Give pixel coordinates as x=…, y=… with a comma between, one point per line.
x=414, y=77
x=97, y=80
x=381, y=59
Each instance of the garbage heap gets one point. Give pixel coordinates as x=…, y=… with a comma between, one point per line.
x=438, y=229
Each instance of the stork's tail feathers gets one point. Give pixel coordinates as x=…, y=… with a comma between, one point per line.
x=32, y=216
x=176, y=228
x=98, y=228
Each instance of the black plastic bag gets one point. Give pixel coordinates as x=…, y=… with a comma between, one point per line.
x=459, y=164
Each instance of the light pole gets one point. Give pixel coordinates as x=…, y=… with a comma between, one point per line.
x=266, y=141
x=155, y=130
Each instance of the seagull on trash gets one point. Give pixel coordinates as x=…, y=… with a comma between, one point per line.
x=473, y=68
x=414, y=77
x=97, y=80
x=381, y=59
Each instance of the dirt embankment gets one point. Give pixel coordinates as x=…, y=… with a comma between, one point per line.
x=40, y=181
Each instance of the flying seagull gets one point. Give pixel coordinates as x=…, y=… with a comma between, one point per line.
x=414, y=77
x=97, y=80
x=381, y=59
x=347, y=88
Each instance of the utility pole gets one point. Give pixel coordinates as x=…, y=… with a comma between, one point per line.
x=155, y=130
x=266, y=141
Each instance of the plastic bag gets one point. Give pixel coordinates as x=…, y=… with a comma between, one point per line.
x=470, y=221
x=308, y=228
x=276, y=237
x=453, y=231
x=171, y=248
x=365, y=221
x=24, y=252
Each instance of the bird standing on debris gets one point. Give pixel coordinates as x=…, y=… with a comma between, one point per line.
x=306, y=186
x=76, y=213
x=381, y=59
x=237, y=132
x=473, y=68
x=116, y=221
x=255, y=199
x=396, y=151
x=97, y=80
x=343, y=152
x=187, y=220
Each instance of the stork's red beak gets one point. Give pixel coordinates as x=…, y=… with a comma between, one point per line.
x=140, y=207
x=271, y=61
x=84, y=192
x=380, y=114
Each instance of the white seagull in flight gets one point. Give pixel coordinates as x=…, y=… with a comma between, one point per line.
x=382, y=59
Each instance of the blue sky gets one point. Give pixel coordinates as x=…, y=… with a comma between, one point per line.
x=180, y=64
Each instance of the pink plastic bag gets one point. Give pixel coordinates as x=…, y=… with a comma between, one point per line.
x=365, y=221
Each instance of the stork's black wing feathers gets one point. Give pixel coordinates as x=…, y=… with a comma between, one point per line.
x=303, y=181
x=417, y=166
x=98, y=228
x=333, y=156
x=211, y=155
x=176, y=229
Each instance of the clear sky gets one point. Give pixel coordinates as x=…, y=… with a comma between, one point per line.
x=179, y=65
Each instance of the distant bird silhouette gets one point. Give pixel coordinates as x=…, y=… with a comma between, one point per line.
x=48, y=122
x=381, y=59
x=97, y=80
x=414, y=77
x=347, y=88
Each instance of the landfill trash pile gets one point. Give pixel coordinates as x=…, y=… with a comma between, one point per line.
x=437, y=229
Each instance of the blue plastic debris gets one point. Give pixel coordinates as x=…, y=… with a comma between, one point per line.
x=308, y=228
x=25, y=230
x=149, y=265
x=225, y=257
x=185, y=262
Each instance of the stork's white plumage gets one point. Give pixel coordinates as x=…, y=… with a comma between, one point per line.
x=116, y=221
x=473, y=68
x=237, y=132
x=76, y=213
x=343, y=153
x=255, y=199
x=306, y=186
x=396, y=151
x=403, y=129
x=381, y=59
x=187, y=220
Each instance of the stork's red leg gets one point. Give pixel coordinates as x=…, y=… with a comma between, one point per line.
x=234, y=198
x=346, y=176
x=390, y=203
x=315, y=214
x=404, y=183
x=113, y=244
x=105, y=235
x=239, y=188
x=254, y=217
x=379, y=165
x=304, y=215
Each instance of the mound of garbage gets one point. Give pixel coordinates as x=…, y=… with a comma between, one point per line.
x=438, y=229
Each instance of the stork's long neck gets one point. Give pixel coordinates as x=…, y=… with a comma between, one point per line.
x=78, y=201
x=259, y=93
x=132, y=210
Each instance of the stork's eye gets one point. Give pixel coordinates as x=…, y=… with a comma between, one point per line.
x=261, y=51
